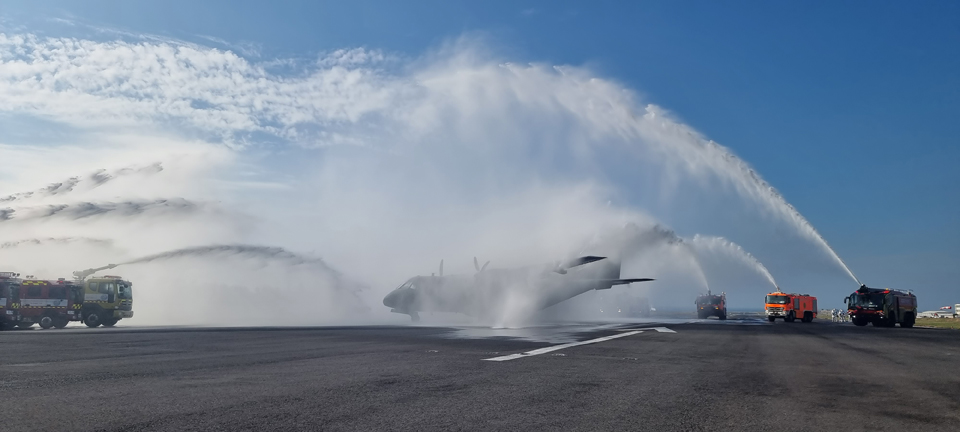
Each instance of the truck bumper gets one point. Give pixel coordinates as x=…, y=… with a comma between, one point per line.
x=778, y=314
x=122, y=314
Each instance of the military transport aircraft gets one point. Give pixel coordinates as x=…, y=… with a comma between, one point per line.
x=489, y=291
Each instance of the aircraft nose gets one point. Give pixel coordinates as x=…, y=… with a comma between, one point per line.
x=391, y=299
x=400, y=299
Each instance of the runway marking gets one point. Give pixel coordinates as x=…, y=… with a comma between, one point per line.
x=659, y=329
x=573, y=344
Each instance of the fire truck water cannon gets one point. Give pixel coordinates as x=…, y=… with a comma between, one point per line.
x=82, y=274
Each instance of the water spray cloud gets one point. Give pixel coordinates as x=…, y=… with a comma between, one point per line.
x=457, y=153
x=83, y=210
x=55, y=241
x=95, y=179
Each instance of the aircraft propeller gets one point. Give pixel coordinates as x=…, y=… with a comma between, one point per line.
x=476, y=265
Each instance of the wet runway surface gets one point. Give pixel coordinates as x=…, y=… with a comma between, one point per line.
x=684, y=375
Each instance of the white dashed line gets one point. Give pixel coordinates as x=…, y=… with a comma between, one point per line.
x=573, y=344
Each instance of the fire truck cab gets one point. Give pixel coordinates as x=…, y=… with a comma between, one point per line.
x=9, y=299
x=709, y=305
x=790, y=307
x=107, y=299
x=883, y=307
x=49, y=303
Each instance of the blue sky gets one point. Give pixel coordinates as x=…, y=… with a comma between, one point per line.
x=848, y=108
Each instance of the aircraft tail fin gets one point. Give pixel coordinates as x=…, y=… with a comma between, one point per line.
x=582, y=260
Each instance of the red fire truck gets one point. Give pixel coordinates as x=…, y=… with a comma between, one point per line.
x=49, y=303
x=790, y=306
x=883, y=307
x=9, y=299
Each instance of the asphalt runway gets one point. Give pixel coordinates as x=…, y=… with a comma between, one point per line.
x=702, y=376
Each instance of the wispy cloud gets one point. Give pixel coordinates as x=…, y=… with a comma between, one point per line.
x=246, y=49
x=93, y=84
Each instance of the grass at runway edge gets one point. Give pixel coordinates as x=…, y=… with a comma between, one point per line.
x=950, y=323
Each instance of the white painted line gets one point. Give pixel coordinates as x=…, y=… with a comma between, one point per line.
x=659, y=329
x=560, y=347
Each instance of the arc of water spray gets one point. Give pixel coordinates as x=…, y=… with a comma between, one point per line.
x=732, y=168
x=773, y=198
x=659, y=235
x=724, y=245
x=250, y=250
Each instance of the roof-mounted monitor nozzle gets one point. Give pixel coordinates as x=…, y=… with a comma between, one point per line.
x=82, y=274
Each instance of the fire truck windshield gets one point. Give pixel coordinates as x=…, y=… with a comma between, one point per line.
x=866, y=300
x=125, y=290
x=710, y=300
x=777, y=299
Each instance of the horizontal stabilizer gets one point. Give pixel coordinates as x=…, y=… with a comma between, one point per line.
x=628, y=281
x=613, y=282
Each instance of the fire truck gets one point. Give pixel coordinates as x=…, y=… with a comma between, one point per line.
x=883, y=307
x=790, y=306
x=709, y=305
x=49, y=303
x=9, y=299
x=106, y=300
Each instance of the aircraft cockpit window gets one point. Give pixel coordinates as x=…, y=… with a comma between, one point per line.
x=408, y=284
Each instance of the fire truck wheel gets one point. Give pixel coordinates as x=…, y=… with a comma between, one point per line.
x=908, y=321
x=771, y=318
x=60, y=323
x=790, y=317
x=110, y=322
x=46, y=322
x=723, y=316
x=25, y=325
x=92, y=320
x=859, y=321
